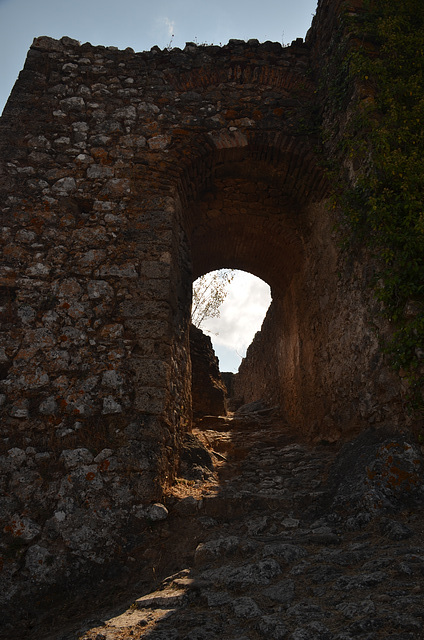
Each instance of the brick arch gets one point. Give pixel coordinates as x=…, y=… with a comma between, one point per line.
x=243, y=203
x=284, y=79
x=278, y=158
x=251, y=200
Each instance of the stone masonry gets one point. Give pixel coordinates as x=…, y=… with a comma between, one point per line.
x=209, y=395
x=123, y=177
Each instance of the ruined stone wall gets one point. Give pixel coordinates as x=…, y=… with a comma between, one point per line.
x=121, y=174
x=318, y=354
x=209, y=396
x=257, y=377
x=123, y=177
x=318, y=350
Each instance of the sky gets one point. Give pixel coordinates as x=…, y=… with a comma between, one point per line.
x=241, y=315
x=142, y=24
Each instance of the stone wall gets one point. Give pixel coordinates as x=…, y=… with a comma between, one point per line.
x=121, y=174
x=123, y=177
x=258, y=376
x=208, y=391
x=317, y=354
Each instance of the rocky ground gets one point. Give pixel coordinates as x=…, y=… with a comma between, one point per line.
x=281, y=540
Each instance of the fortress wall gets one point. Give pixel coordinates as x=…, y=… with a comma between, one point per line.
x=124, y=176
x=317, y=355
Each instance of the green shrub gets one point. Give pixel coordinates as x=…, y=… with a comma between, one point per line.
x=377, y=69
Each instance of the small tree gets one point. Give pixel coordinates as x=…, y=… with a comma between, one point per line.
x=209, y=292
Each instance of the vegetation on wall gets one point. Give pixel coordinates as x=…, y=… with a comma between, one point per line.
x=378, y=70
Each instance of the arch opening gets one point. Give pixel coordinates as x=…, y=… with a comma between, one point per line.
x=252, y=209
x=240, y=315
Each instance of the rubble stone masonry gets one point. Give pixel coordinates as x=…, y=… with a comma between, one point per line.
x=123, y=177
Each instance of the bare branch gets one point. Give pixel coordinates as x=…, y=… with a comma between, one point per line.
x=209, y=292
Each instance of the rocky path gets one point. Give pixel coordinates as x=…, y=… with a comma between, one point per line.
x=271, y=554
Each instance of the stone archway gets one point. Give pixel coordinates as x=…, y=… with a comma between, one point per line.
x=122, y=177
x=98, y=263
x=260, y=208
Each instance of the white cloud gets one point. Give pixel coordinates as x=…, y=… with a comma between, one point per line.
x=241, y=314
x=164, y=28
x=170, y=25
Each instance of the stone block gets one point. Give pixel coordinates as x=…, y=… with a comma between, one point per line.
x=150, y=400
x=147, y=370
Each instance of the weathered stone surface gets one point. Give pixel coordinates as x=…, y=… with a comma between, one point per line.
x=195, y=461
x=214, y=548
x=273, y=627
x=282, y=592
x=123, y=177
x=378, y=472
x=260, y=574
x=370, y=586
x=208, y=390
x=157, y=512
x=287, y=552
x=162, y=599
x=246, y=607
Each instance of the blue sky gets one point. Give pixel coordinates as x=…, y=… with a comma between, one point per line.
x=141, y=24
